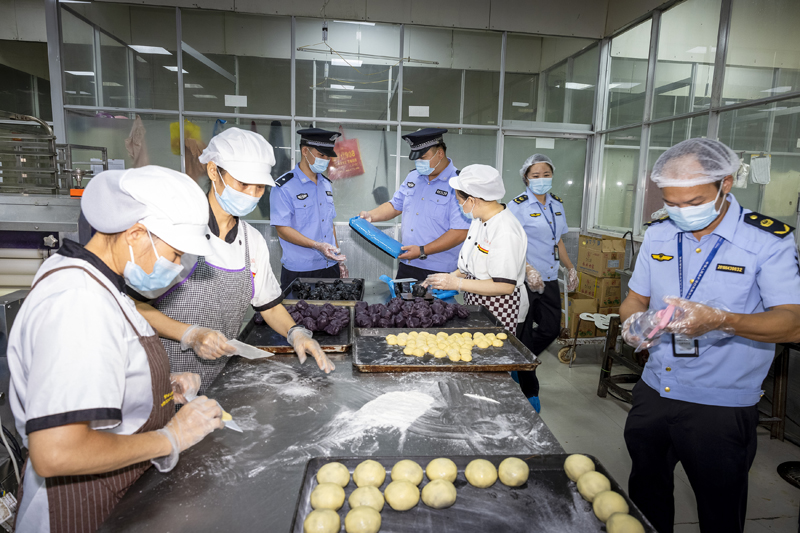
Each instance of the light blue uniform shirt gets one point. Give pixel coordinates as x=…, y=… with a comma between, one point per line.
x=299, y=203
x=754, y=269
x=544, y=225
x=430, y=208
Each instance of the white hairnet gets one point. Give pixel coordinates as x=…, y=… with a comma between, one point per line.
x=694, y=162
x=532, y=160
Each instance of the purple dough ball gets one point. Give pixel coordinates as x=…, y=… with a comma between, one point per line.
x=310, y=323
x=306, y=312
x=399, y=321
x=315, y=311
x=333, y=328
x=419, y=300
x=363, y=321
x=438, y=320
x=301, y=305
x=329, y=308
x=296, y=316
x=361, y=306
x=385, y=322
x=386, y=313
x=462, y=312
x=408, y=306
x=426, y=311
x=437, y=308
x=426, y=322
x=413, y=322
x=322, y=322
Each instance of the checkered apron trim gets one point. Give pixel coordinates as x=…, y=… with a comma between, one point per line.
x=504, y=307
x=211, y=298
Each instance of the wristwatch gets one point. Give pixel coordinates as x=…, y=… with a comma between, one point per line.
x=422, y=254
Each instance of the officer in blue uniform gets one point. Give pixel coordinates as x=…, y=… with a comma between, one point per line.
x=544, y=220
x=302, y=212
x=734, y=276
x=433, y=226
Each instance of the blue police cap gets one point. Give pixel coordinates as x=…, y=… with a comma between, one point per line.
x=322, y=140
x=421, y=140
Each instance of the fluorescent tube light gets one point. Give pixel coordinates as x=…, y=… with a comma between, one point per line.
x=349, y=63
x=157, y=50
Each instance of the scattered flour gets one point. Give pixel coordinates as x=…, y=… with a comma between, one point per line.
x=479, y=397
x=397, y=409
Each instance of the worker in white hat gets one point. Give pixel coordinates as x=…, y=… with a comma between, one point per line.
x=491, y=262
x=206, y=303
x=91, y=390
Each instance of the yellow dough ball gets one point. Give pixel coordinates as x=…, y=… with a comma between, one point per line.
x=413, y=334
x=502, y=336
x=442, y=335
x=576, y=465
x=482, y=345
x=327, y=496
x=362, y=520
x=322, y=521
x=335, y=473
x=481, y=473
x=441, y=468
x=369, y=474
x=591, y=484
x=466, y=334
x=477, y=334
x=369, y=496
x=466, y=357
x=403, y=334
x=439, y=494
x=391, y=340
x=409, y=350
x=469, y=343
x=454, y=357
x=407, y=470
x=402, y=341
x=419, y=352
x=440, y=354
x=513, y=472
x=497, y=343
x=401, y=495
x=452, y=352
x=617, y=522
x=607, y=504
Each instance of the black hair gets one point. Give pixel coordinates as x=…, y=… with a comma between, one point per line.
x=462, y=194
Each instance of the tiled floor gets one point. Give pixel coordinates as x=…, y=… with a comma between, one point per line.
x=585, y=423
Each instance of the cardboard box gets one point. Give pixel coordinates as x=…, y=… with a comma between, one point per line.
x=601, y=256
x=608, y=310
x=577, y=304
x=607, y=291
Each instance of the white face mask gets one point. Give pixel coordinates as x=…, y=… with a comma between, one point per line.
x=469, y=215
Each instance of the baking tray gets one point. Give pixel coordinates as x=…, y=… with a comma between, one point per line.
x=264, y=337
x=548, y=502
x=372, y=354
x=289, y=297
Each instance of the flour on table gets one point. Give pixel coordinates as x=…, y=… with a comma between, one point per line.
x=479, y=397
x=397, y=409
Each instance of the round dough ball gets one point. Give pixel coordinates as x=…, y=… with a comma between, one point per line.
x=401, y=495
x=513, y=472
x=362, y=520
x=497, y=343
x=439, y=494
x=442, y=468
x=481, y=473
x=576, y=465
x=467, y=358
x=335, y=473
x=407, y=470
x=413, y=333
x=502, y=336
x=402, y=341
x=408, y=350
x=327, y=496
x=482, y=344
x=452, y=352
x=591, y=484
x=391, y=339
x=467, y=335
x=617, y=523
x=490, y=336
x=369, y=474
x=442, y=335
x=607, y=503
x=322, y=521
x=455, y=357
x=419, y=352
x=440, y=354
x=369, y=496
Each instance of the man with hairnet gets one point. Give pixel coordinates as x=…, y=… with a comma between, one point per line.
x=715, y=285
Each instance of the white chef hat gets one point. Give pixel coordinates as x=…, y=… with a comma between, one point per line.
x=245, y=154
x=694, y=162
x=481, y=181
x=166, y=202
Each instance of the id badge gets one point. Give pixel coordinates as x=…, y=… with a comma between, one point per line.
x=555, y=253
x=683, y=346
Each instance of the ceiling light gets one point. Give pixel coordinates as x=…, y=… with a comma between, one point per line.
x=74, y=2
x=520, y=104
x=623, y=85
x=111, y=84
x=577, y=86
x=204, y=96
x=192, y=86
x=340, y=96
x=342, y=63
x=619, y=184
x=80, y=72
x=334, y=110
x=343, y=87
x=698, y=50
x=157, y=50
x=71, y=92
x=569, y=182
x=355, y=22
x=85, y=93
x=175, y=69
x=778, y=90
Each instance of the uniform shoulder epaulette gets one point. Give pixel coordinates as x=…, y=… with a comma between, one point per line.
x=657, y=221
x=556, y=198
x=521, y=198
x=458, y=172
x=770, y=225
x=326, y=177
x=280, y=182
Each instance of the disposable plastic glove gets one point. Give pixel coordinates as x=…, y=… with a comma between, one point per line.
x=533, y=279
x=303, y=343
x=343, y=272
x=628, y=336
x=194, y=421
x=184, y=386
x=207, y=343
x=329, y=251
x=572, y=280
x=365, y=215
x=698, y=319
x=445, y=282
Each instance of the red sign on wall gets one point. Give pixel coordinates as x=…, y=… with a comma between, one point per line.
x=347, y=163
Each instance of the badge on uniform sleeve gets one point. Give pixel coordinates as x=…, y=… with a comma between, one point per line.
x=302, y=196
x=440, y=192
x=411, y=184
x=521, y=198
x=329, y=193
x=662, y=257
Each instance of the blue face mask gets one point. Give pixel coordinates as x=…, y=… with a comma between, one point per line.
x=468, y=215
x=234, y=202
x=424, y=166
x=163, y=272
x=540, y=185
x=319, y=166
x=694, y=217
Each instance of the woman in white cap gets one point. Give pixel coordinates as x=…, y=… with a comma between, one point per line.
x=491, y=262
x=206, y=304
x=544, y=219
x=91, y=389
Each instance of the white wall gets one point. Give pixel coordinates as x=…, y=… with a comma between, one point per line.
x=22, y=20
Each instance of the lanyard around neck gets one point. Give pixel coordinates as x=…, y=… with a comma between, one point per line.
x=703, y=268
x=551, y=224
